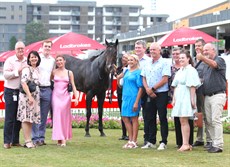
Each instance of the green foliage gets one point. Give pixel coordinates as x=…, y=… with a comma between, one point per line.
x=116, y=124
x=112, y=124
x=226, y=127
x=36, y=31
x=13, y=41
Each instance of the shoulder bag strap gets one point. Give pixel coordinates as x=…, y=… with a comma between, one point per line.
x=68, y=76
x=31, y=77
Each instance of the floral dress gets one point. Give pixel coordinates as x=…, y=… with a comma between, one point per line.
x=26, y=112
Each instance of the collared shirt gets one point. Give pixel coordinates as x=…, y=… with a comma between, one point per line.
x=45, y=69
x=214, y=78
x=10, y=72
x=153, y=72
x=145, y=59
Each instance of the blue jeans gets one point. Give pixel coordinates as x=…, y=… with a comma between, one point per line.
x=11, y=125
x=39, y=130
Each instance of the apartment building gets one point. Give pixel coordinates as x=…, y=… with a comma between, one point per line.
x=12, y=22
x=82, y=17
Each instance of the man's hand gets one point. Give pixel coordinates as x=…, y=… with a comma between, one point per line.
x=199, y=56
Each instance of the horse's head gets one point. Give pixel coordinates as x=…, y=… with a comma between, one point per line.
x=111, y=55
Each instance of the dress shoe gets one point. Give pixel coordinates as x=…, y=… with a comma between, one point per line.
x=124, y=138
x=198, y=143
x=42, y=143
x=215, y=150
x=7, y=146
x=16, y=145
x=208, y=145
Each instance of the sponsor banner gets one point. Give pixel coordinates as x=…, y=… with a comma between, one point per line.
x=82, y=99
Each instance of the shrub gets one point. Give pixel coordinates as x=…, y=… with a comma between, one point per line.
x=113, y=123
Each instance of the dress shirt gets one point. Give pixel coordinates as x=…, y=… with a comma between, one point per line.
x=45, y=69
x=10, y=71
x=145, y=59
x=154, y=71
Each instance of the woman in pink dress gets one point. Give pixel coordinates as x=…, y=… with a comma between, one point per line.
x=61, y=102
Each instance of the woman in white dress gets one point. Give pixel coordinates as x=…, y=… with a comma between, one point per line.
x=184, y=100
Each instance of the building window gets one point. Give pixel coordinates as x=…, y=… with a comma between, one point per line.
x=109, y=27
x=54, y=9
x=65, y=18
x=53, y=27
x=20, y=8
x=39, y=8
x=90, y=27
x=53, y=18
x=90, y=18
x=65, y=27
x=20, y=17
x=39, y=17
x=159, y=19
x=12, y=17
x=133, y=19
x=12, y=8
x=2, y=17
x=2, y=8
x=90, y=9
x=108, y=9
x=65, y=9
x=133, y=10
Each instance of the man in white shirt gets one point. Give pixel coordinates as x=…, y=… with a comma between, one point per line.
x=45, y=69
x=12, y=77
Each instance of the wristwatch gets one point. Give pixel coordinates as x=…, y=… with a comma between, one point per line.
x=153, y=89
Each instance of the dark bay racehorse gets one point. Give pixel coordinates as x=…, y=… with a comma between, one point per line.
x=92, y=77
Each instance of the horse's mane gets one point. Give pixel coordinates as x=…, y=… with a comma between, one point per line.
x=94, y=57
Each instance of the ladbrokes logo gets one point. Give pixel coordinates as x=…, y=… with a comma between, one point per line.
x=75, y=46
x=186, y=39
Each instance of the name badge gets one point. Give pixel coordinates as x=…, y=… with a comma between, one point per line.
x=15, y=98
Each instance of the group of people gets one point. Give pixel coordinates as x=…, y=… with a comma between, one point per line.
x=194, y=85
x=143, y=82
x=29, y=109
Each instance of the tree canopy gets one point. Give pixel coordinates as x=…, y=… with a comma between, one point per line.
x=36, y=31
x=13, y=41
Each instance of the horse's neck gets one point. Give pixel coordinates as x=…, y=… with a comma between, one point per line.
x=101, y=62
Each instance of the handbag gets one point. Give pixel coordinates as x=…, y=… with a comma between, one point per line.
x=31, y=85
x=69, y=86
x=198, y=120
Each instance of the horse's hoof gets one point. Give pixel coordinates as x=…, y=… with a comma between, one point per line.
x=103, y=135
x=87, y=135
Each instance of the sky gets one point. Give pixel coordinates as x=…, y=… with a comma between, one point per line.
x=176, y=9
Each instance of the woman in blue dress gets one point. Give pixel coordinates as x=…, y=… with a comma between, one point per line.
x=184, y=98
x=131, y=99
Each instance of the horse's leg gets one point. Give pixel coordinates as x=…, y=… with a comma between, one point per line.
x=89, y=97
x=100, y=100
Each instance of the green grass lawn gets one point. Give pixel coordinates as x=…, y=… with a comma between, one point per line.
x=107, y=151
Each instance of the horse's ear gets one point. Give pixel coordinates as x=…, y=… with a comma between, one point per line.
x=116, y=42
x=106, y=42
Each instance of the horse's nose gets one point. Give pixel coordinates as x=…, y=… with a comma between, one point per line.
x=110, y=68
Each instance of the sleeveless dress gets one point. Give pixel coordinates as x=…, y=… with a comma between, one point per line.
x=26, y=112
x=61, y=103
x=131, y=85
x=184, y=79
